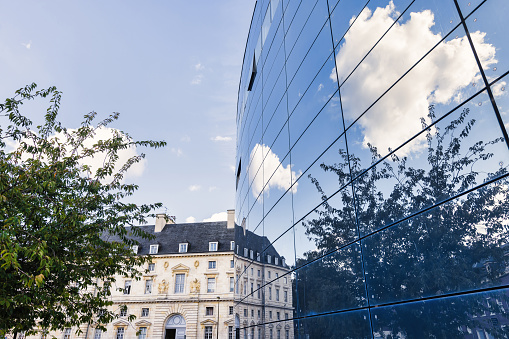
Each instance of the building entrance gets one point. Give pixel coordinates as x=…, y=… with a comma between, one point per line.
x=175, y=327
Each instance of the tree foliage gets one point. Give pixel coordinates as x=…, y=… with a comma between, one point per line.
x=435, y=226
x=56, y=261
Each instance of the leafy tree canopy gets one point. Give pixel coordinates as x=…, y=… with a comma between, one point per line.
x=56, y=215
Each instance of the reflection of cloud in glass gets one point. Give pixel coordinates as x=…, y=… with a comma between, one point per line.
x=438, y=79
x=281, y=175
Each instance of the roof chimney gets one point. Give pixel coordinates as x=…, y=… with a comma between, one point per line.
x=230, y=223
x=161, y=221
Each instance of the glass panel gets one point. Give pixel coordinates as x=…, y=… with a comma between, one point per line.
x=488, y=29
x=456, y=317
x=455, y=247
x=342, y=325
x=461, y=151
x=331, y=283
x=343, y=15
x=499, y=90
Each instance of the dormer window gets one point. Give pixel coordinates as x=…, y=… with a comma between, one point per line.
x=135, y=249
x=245, y=252
x=268, y=258
x=232, y=245
x=257, y=256
x=251, y=254
x=276, y=260
x=282, y=261
x=154, y=249
x=183, y=247
x=213, y=246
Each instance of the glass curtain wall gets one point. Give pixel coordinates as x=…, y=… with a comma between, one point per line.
x=372, y=162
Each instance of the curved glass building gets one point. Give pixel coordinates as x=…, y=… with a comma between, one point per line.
x=372, y=169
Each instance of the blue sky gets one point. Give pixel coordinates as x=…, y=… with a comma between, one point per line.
x=171, y=68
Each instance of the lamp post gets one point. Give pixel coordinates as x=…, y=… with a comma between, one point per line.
x=217, y=326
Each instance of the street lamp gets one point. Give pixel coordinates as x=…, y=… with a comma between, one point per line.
x=217, y=326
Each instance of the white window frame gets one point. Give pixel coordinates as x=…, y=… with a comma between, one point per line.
x=151, y=267
x=232, y=284
x=143, y=333
x=127, y=286
x=230, y=310
x=232, y=245
x=120, y=333
x=251, y=254
x=276, y=261
x=123, y=312
x=208, y=332
x=257, y=256
x=135, y=249
x=213, y=246
x=211, y=285
x=183, y=247
x=180, y=283
x=148, y=286
x=246, y=252
x=97, y=333
x=145, y=312
x=209, y=311
x=154, y=249
x=269, y=258
x=232, y=263
x=212, y=265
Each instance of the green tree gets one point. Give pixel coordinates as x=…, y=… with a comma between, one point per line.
x=56, y=261
x=443, y=250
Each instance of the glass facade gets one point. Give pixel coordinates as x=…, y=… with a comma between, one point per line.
x=372, y=158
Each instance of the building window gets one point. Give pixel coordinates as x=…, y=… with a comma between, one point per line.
x=270, y=314
x=144, y=312
x=286, y=280
x=245, y=288
x=258, y=290
x=278, y=316
x=270, y=293
x=282, y=261
x=209, y=310
x=183, y=247
x=180, y=282
x=268, y=258
x=277, y=275
x=232, y=263
x=135, y=249
x=268, y=272
x=143, y=333
x=285, y=294
x=212, y=264
x=245, y=252
x=232, y=245
x=252, y=313
x=252, y=332
x=286, y=316
x=97, y=333
x=154, y=249
x=252, y=271
x=276, y=260
x=230, y=310
x=123, y=312
x=252, y=288
x=287, y=334
x=237, y=249
x=67, y=333
x=232, y=283
x=277, y=294
x=120, y=333
x=151, y=267
x=259, y=274
x=245, y=312
x=211, y=285
x=148, y=286
x=270, y=334
x=259, y=314
x=259, y=333
x=127, y=287
x=230, y=332
x=208, y=332
x=258, y=257
x=251, y=254
x=213, y=246
x=278, y=334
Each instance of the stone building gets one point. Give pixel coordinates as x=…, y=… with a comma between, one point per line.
x=189, y=289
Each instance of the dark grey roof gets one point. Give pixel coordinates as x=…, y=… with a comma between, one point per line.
x=197, y=235
x=258, y=244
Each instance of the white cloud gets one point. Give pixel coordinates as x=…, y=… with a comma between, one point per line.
x=220, y=138
x=438, y=79
x=499, y=88
x=197, y=79
x=177, y=151
x=221, y=216
x=28, y=45
x=320, y=86
x=232, y=168
x=212, y=188
x=185, y=138
x=190, y=219
x=194, y=188
x=281, y=178
x=96, y=162
x=199, y=67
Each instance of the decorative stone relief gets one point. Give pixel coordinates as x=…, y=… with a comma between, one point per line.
x=163, y=287
x=195, y=286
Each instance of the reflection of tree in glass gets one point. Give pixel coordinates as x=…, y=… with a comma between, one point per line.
x=454, y=247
